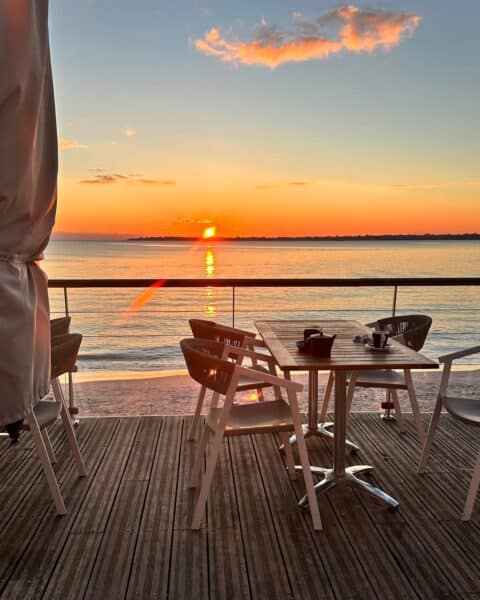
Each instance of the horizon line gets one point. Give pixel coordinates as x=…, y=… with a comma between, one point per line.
x=354, y=237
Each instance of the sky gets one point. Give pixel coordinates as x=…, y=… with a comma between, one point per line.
x=266, y=117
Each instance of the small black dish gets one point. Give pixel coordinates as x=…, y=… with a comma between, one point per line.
x=301, y=345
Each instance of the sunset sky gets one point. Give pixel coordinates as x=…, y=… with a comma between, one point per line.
x=267, y=117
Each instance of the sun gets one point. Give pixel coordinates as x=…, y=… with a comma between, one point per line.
x=209, y=232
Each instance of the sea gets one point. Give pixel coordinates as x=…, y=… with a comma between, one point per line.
x=131, y=332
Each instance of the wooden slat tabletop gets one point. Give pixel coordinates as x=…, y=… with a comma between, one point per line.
x=281, y=337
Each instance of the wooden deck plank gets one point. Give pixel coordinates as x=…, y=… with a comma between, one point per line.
x=228, y=575
x=35, y=566
x=150, y=565
x=385, y=578
x=265, y=564
x=72, y=573
x=189, y=559
x=450, y=574
x=20, y=530
x=21, y=471
x=297, y=539
x=127, y=533
x=111, y=572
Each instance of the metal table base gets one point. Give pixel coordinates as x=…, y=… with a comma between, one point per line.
x=339, y=474
x=313, y=428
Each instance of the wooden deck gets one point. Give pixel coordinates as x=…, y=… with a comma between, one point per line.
x=127, y=533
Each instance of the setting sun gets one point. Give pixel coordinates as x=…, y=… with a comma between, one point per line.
x=209, y=232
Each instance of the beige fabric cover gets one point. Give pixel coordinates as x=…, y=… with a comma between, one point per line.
x=28, y=179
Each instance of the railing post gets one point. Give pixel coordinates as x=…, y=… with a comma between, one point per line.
x=233, y=306
x=71, y=403
x=394, y=305
x=388, y=404
x=65, y=297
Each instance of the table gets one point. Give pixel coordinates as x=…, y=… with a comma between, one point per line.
x=280, y=338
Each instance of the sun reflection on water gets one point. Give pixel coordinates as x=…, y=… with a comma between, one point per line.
x=210, y=308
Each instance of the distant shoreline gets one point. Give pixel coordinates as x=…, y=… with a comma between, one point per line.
x=326, y=238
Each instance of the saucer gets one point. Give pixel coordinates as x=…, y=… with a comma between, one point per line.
x=372, y=348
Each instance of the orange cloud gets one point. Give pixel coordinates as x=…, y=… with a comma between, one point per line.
x=344, y=29
x=156, y=181
x=271, y=186
x=65, y=144
x=105, y=178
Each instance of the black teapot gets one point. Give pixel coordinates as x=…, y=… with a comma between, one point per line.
x=320, y=344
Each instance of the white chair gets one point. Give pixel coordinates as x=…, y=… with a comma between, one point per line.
x=64, y=353
x=208, y=365
x=410, y=330
x=208, y=330
x=464, y=409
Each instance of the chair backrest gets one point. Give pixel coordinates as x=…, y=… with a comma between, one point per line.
x=64, y=351
x=208, y=330
x=59, y=326
x=206, y=365
x=413, y=329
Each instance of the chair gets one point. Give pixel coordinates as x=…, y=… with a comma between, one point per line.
x=240, y=338
x=410, y=330
x=208, y=365
x=59, y=326
x=64, y=352
x=464, y=409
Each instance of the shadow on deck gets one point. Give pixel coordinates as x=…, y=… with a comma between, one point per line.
x=126, y=534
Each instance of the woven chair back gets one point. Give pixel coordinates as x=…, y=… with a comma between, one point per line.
x=205, y=364
x=64, y=351
x=413, y=328
x=207, y=330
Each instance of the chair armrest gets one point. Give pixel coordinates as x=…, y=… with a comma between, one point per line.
x=267, y=378
x=235, y=350
x=446, y=358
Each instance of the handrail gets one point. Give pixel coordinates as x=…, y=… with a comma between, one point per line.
x=270, y=282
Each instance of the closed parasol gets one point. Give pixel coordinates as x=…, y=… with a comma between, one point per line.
x=28, y=182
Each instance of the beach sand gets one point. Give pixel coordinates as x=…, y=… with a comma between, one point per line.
x=177, y=394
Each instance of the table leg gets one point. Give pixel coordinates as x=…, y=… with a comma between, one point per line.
x=339, y=473
x=313, y=428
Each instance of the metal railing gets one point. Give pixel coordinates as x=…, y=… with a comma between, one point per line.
x=237, y=283
x=394, y=282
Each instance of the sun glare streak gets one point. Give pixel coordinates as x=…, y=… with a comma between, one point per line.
x=145, y=296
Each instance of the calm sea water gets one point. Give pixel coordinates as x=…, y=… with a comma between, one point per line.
x=120, y=337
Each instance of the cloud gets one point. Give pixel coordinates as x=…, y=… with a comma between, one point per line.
x=194, y=221
x=65, y=144
x=101, y=179
x=346, y=28
x=136, y=179
x=289, y=184
x=156, y=181
x=434, y=186
x=129, y=132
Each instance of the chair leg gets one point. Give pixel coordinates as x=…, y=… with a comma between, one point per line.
x=472, y=491
x=207, y=480
x=398, y=410
x=260, y=396
x=422, y=465
x=413, y=401
x=307, y=476
x=47, y=467
x=69, y=430
x=285, y=439
x=48, y=446
x=196, y=417
x=326, y=398
x=199, y=458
